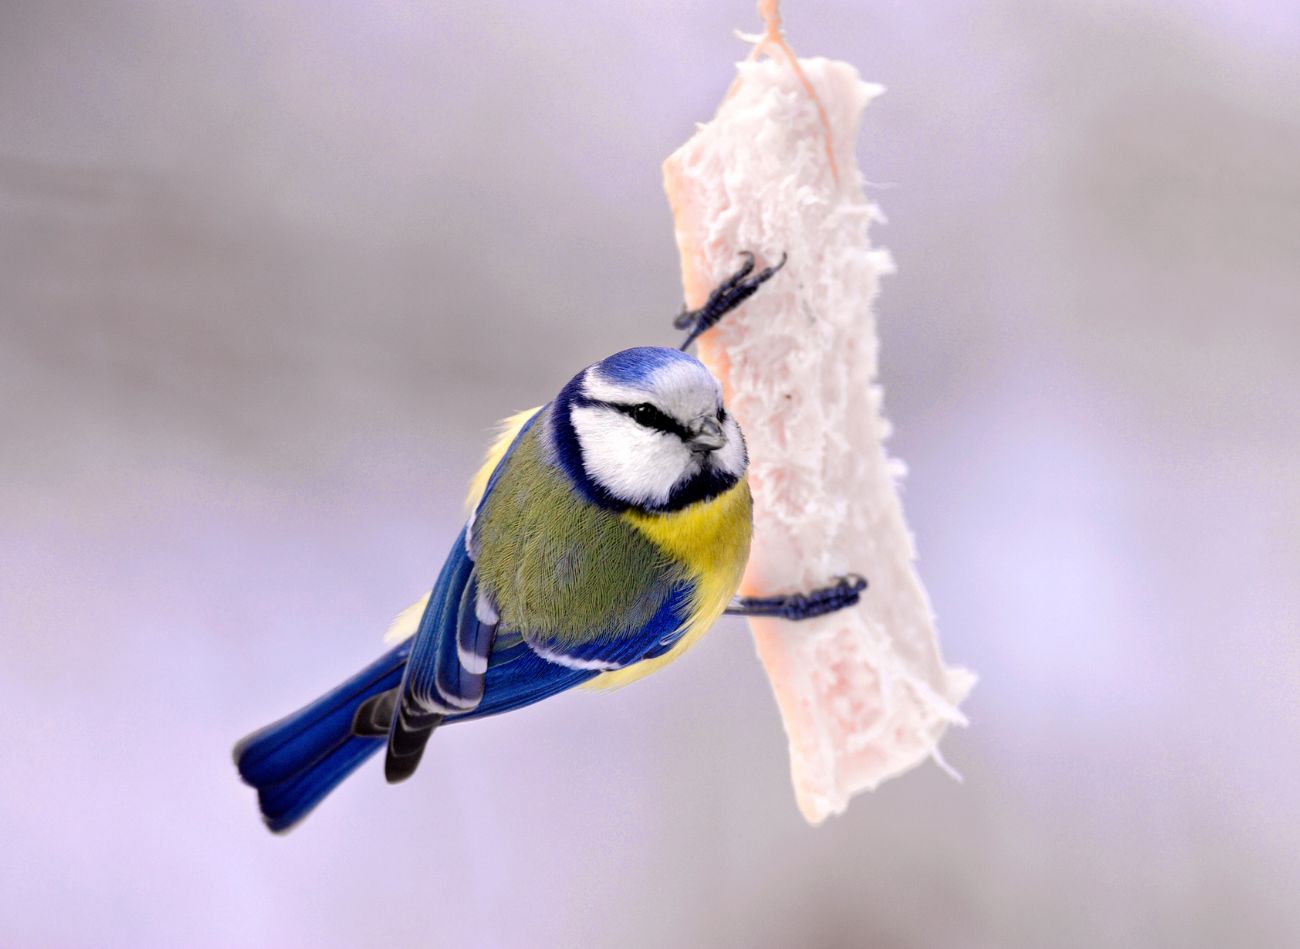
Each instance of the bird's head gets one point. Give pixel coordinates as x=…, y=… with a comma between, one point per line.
x=646, y=429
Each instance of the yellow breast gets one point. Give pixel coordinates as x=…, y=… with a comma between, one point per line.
x=711, y=541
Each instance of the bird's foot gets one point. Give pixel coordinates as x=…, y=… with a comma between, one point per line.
x=846, y=591
x=733, y=291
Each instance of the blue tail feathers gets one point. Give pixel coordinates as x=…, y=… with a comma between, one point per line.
x=295, y=762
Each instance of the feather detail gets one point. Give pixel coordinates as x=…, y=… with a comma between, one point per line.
x=621, y=648
x=508, y=432
x=405, y=623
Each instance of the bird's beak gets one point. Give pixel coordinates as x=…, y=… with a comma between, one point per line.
x=706, y=434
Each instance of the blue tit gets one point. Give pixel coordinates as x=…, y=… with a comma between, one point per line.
x=608, y=530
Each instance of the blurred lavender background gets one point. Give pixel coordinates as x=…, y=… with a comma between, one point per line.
x=269, y=272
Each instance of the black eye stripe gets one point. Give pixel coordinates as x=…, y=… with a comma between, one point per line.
x=643, y=413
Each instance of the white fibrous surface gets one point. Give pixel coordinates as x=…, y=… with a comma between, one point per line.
x=864, y=692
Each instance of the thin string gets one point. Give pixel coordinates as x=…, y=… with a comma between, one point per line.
x=770, y=11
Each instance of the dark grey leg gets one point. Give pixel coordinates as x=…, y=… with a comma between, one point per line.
x=796, y=606
x=734, y=291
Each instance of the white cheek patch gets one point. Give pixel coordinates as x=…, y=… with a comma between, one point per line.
x=635, y=464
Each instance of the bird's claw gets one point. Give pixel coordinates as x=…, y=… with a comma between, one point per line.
x=732, y=292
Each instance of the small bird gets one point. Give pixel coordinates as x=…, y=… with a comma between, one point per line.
x=608, y=530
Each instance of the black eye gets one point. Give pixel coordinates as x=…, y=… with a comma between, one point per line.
x=652, y=417
x=722, y=414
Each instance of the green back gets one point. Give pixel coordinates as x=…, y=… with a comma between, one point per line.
x=557, y=565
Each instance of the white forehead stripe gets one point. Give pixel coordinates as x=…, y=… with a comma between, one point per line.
x=595, y=386
x=685, y=377
x=682, y=389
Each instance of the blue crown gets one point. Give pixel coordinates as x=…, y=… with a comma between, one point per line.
x=635, y=366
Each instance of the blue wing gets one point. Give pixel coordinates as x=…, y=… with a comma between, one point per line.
x=446, y=674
